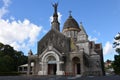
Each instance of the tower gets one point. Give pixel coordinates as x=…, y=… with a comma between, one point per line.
x=55, y=23
x=71, y=27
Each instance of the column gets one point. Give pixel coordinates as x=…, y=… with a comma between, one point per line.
x=42, y=71
x=44, y=68
x=23, y=69
x=37, y=67
x=82, y=64
x=28, y=69
x=58, y=68
x=59, y=72
x=34, y=68
x=18, y=69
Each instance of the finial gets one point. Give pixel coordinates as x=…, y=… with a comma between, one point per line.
x=70, y=13
x=55, y=5
x=30, y=52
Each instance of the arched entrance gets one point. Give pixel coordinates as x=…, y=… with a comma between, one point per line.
x=76, y=66
x=52, y=65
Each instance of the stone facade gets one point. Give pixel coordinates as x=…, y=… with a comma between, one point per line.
x=68, y=52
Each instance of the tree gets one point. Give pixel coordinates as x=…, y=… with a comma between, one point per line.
x=116, y=45
x=6, y=63
x=10, y=59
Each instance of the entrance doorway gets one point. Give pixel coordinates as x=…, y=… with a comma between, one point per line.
x=76, y=66
x=52, y=69
x=52, y=66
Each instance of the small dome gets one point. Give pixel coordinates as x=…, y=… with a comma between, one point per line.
x=71, y=24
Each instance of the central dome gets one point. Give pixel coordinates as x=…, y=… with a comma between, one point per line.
x=71, y=25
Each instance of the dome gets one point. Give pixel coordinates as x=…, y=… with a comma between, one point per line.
x=70, y=25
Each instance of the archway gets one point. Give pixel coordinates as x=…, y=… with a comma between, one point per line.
x=52, y=65
x=76, y=66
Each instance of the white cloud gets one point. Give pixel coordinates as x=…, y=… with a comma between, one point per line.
x=96, y=32
x=59, y=17
x=6, y=3
x=108, y=49
x=18, y=34
x=3, y=9
x=95, y=35
x=92, y=38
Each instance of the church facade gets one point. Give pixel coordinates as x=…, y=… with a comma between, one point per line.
x=68, y=52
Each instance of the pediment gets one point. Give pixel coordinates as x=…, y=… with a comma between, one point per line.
x=56, y=39
x=49, y=49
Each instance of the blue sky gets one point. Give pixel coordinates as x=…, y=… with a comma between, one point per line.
x=24, y=22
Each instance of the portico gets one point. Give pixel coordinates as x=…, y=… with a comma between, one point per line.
x=51, y=64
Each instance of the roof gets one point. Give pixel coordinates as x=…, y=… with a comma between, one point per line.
x=71, y=24
x=25, y=65
x=56, y=39
x=82, y=29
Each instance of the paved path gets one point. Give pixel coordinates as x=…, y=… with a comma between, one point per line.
x=58, y=78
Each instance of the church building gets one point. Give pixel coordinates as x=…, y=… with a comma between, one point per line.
x=68, y=52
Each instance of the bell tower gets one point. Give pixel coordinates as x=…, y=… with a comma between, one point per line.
x=55, y=23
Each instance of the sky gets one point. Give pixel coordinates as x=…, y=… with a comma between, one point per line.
x=24, y=22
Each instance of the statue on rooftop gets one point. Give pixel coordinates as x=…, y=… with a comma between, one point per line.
x=55, y=5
